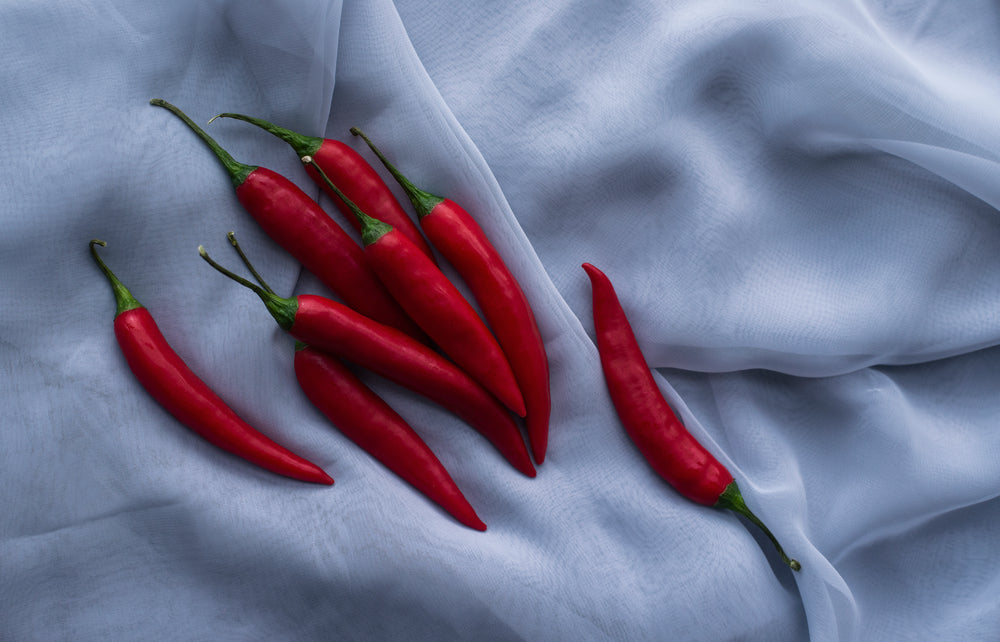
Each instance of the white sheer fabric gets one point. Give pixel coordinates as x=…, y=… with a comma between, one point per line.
x=796, y=202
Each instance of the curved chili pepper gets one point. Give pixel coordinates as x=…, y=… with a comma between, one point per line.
x=435, y=304
x=304, y=229
x=453, y=231
x=349, y=169
x=189, y=399
x=338, y=330
x=372, y=424
x=670, y=449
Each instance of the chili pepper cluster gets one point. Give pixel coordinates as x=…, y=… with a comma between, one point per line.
x=400, y=317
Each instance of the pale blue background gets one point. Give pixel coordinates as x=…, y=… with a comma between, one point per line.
x=797, y=204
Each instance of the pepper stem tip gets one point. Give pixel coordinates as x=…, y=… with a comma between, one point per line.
x=371, y=228
x=238, y=172
x=732, y=499
x=123, y=298
x=423, y=202
x=283, y=310
x=246, y=261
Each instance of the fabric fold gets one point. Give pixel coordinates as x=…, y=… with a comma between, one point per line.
x=795, y=203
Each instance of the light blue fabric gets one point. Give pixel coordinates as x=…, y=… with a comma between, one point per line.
x=796, y=202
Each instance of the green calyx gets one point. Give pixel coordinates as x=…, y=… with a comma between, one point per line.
x=123, y=298
x=732, y=499
x=372, y=229
x=423, y=202
x=303, y=145
x=238, y=172
x=283, y=310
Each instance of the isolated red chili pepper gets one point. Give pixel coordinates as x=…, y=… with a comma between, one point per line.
x=435, y=304
x=189, y=399
x=372, y=424
x=650, y=422
x=338, y=330
x=304, y=229
x=453, y=231
x=349, y=170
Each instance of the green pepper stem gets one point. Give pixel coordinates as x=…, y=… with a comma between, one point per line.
x=238, y=172
x=732, y=499
x=303, y=145
x=372, y=229
x=243, y=257
x=123, y=298
x=423, y=202
x=283, y=310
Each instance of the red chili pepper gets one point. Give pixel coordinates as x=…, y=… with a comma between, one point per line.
x=338, y=330
x=189, y=399
x=671, y=450
x=304, y=229
x=461, y=241
x=349, y=169
x=435, y=304
x=373, y=425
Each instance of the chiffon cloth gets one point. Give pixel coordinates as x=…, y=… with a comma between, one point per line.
x=796, y=201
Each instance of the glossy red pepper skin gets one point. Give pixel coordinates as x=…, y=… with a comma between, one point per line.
x=345, y=167
x=650, y=422
x=435, y=304
x=300, y=226
x=336, y=329
x=462, y=242
x=368, y=421
x=161, y=371
x=505, y=307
